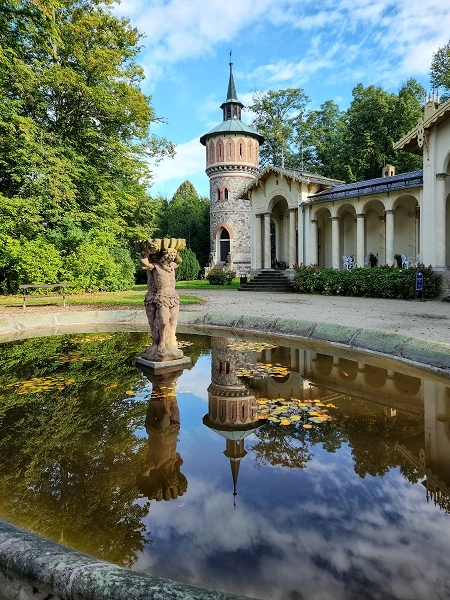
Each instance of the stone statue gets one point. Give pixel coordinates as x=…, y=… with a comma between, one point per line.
x=160, y=258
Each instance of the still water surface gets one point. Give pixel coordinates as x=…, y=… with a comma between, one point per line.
x=179, y=476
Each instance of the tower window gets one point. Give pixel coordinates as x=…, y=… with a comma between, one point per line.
x=225, y=193
x=219, y=195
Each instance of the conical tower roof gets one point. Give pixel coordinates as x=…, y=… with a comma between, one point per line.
x=232, y=108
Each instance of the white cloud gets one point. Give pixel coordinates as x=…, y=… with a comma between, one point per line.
x=189, y=161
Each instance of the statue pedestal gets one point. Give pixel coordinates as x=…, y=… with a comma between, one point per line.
x=164, y=366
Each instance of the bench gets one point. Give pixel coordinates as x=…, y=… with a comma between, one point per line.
x=44, y=286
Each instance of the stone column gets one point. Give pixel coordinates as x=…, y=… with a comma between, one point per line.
x=292, y=238
x=360, y=239
x=389, y=236
x=258, y=242
x=267, y=261
x=439, y=222
x=335, y=242
x=314, y=236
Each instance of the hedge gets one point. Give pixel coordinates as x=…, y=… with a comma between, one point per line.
x=376, y=282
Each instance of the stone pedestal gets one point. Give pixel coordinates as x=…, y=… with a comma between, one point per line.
x=164, y=366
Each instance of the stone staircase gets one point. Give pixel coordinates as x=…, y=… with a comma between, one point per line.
x=268, y=281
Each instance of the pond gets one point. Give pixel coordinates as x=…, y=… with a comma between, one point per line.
x=270, y=471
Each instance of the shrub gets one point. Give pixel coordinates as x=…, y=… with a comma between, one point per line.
x=189, y=268
x=378, y=282
x=28, y=261
x=220, y=277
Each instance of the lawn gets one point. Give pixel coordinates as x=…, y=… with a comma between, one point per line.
x=134, y=297
x=202, y=284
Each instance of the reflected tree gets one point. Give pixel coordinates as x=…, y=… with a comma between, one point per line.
x=68, y=456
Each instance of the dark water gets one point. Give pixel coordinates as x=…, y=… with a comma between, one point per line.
x=180, y=477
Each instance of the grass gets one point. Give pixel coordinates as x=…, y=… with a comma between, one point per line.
x=202, y=284
x=134, y=297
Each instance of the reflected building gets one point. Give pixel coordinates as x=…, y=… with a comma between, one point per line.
x=231, y=405
x=429, y=451
x=161, y=477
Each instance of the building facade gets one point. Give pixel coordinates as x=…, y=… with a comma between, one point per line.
x=303, y=218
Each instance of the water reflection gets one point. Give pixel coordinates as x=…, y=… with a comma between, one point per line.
x=231, y=406
x=161, y=478
x=339, y=510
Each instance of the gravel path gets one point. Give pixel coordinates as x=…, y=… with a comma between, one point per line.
x=428, y=320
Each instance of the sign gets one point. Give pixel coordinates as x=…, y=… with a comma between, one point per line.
x=419, y=281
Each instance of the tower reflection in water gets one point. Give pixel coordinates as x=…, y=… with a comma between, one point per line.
x=161, y=477
x=231, y=405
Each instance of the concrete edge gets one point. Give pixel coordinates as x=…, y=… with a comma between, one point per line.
x=70, y=575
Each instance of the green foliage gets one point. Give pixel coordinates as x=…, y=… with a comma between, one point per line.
x=74, y=135
x=220, y=277
x=189, y=268
x=99, y=267
x=279, y=119
x=440, y=68
x=187, y=216
x=378, y=282
x=373, y=122
x=28, y=261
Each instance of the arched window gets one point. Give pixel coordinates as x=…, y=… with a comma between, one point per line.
x=225, y=194
x=211, y=153
x=219, y=195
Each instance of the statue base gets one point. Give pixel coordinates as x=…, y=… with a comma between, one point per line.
x=164, y=366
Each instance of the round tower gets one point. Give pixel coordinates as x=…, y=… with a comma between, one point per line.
x=232, y=162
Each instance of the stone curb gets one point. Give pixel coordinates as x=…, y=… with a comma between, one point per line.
x=30, y=563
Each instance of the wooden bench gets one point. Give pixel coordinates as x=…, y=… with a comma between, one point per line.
x=44, y=286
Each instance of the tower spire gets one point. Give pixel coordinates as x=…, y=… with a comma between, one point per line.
x=231, y=107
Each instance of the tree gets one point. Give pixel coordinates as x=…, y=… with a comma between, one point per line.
x=187, y=216
x=440, y=68
x=323, y=140
x=74, y=124
x=373, y=122
x=279, y=119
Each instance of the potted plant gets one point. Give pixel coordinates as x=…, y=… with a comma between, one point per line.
x=281, y=265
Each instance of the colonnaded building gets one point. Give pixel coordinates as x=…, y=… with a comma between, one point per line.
x=304, y=218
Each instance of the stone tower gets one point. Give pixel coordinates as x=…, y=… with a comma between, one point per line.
x=232, y=162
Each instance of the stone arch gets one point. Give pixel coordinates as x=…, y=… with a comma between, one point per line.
x=223, y=235
x=250, y=152
x=406, y=226
x=219, y=151
x=279, y=235
x=375, y=229
x=324, y=250
x=347, y=230
x=375, y=377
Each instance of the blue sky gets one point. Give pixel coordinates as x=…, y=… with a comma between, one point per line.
x=324, y=47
